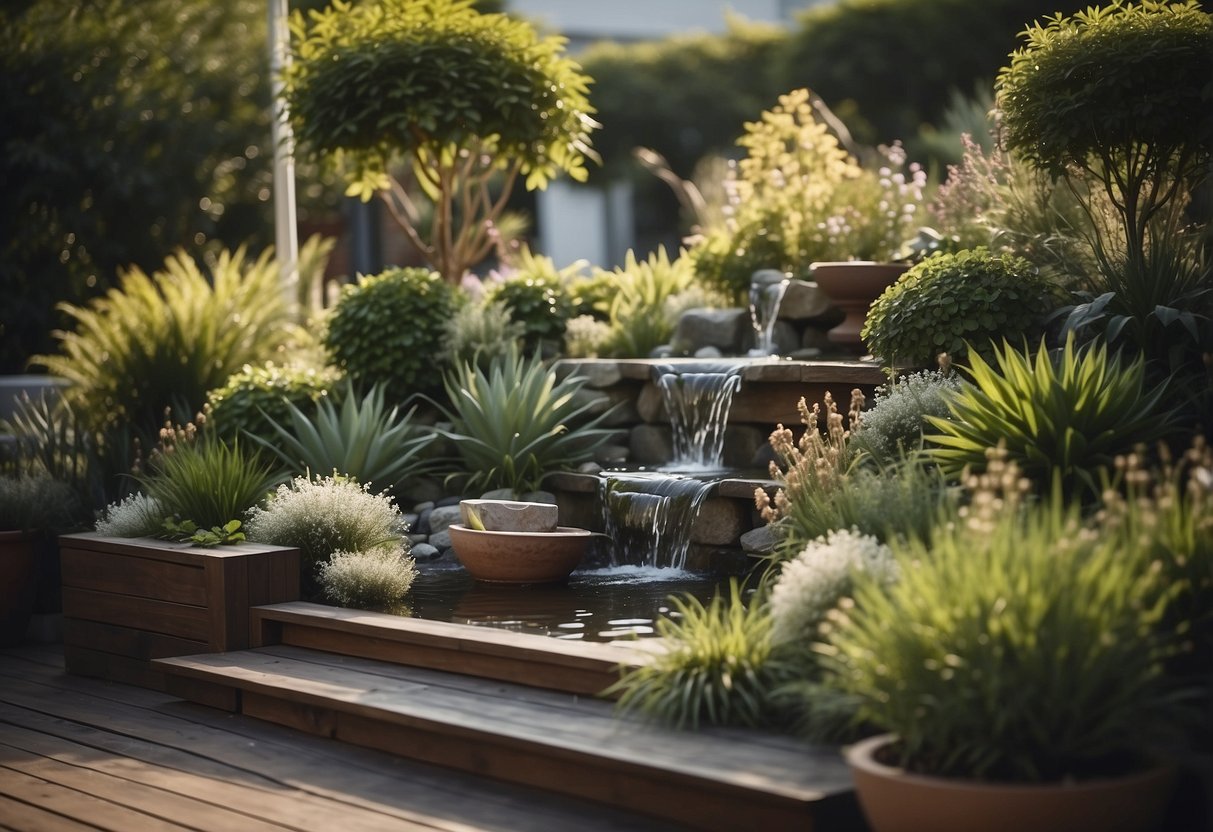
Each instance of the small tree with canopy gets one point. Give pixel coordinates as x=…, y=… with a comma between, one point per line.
x=459, y=97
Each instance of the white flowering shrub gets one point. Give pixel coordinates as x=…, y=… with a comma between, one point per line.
x=326, y=515
x=894, y=424
x=137, y=515
x=368, y=579
x=812, y=583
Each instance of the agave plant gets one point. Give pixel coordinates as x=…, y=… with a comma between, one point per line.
x=514, y=422
x=364, y=440
x=1067, y=418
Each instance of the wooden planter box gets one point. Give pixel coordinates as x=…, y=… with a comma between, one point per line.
x=127, y=601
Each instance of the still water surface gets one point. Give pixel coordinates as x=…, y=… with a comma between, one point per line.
x=602, y=604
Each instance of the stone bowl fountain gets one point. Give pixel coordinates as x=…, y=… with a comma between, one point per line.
x=512, y=542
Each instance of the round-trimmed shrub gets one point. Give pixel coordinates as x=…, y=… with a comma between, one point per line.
x=248, y=397
x=385, y=330
x=540, y=305
x=953, y=302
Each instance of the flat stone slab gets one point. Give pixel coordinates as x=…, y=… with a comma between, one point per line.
x=510, y=515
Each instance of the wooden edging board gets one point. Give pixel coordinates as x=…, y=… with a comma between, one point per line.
x=523, y=658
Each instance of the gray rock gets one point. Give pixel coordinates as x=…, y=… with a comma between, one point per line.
x=608, y=455
x=709, y=352
x=592, y=468
x=721, y=328
x=760, y=541
x=803, y=301
x=511, y=515
x=720, y=522
x=499, y=494
x=423, y=521
x=651, y=445
x=540, y=497
x=662, y=351
x=425, y=552
x=423, y=506
x=414, y=539
x=410, y=519
x=598, y=373
x=441, y=540
x=441, y=519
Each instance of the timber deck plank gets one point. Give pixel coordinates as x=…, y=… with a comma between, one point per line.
x=96, y=734
x=585, y=668
x=540, y=738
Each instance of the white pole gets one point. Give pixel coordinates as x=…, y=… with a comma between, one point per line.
x=286, y=241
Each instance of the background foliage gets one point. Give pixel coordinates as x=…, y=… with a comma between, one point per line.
x=130, y=129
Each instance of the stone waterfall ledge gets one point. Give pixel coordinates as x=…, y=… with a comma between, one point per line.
x=726, y=515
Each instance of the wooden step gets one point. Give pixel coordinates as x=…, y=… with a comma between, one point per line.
x=523, y=658
x=567, y=744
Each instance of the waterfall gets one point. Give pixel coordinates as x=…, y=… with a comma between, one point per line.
x=697, y=398
x=649, y=516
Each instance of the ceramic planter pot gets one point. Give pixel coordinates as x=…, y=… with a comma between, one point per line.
x=519, y=557
x=852, y=285
x=894, y=800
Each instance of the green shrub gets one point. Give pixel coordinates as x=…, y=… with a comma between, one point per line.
x=479, y=330
x=953, y=303
x=514, y=422
x=717, y=667
x=892, y=427
x=586, y=337
x=384, y=329
x=204, y=480
x=323, y=516
x=256, y=394
x=38, y=503
x=167, y=339
x=1018, y=645
x=534, y=294
x=371, y=579
x=1066, y=418
x=363, y=440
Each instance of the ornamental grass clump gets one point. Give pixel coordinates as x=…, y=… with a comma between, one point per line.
x=203, y=480
x=371, y=579
x=1022, y=644
x=717, y=667
x=165, y=340
x=812, y=583
x=1060, y=418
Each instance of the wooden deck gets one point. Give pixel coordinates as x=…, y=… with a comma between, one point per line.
x=85, y=754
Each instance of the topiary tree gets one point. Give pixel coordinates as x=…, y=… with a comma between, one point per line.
x=459, y=97
x=386, y=328
x=955, y=302
x=1115, y=101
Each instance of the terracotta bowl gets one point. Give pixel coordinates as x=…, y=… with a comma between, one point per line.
x=519, y=557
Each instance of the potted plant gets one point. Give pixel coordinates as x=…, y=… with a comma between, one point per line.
x=33, y=509
x=1018, y=665
x=469, y=102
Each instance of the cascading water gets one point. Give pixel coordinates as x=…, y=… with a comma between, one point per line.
x=649, y=515
x=698, y=398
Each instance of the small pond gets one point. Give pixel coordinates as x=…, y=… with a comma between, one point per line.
x=597, y=604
